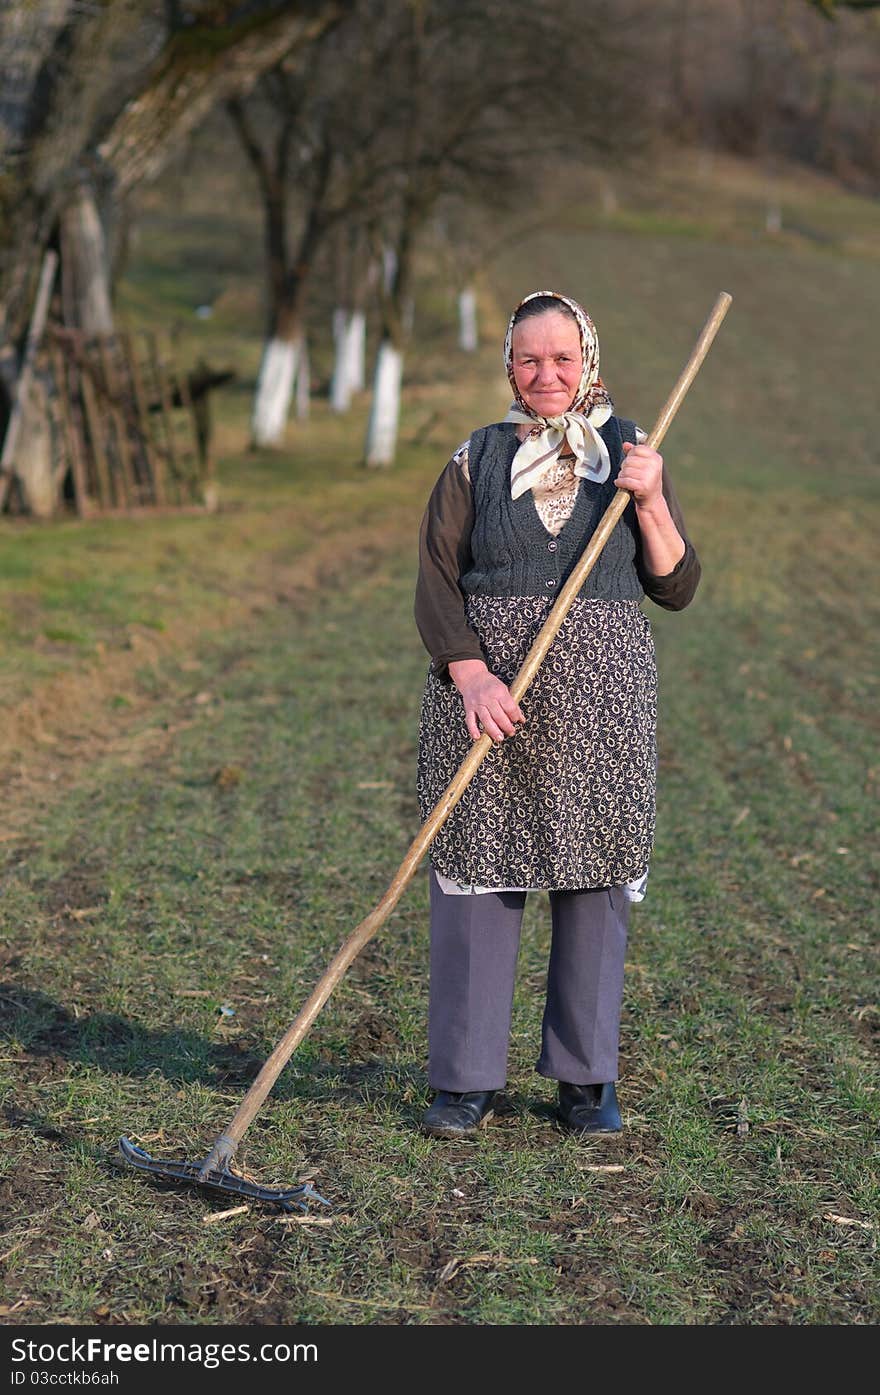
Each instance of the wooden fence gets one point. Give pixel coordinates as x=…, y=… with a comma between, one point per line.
x=127, y=432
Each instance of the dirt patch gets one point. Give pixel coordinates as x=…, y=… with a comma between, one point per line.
x=244, y=1290
x=282, y=883
x=372, y=1035
x=78, y=893
x=738, y=1266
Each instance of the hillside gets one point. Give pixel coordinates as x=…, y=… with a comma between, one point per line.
x=208, y=765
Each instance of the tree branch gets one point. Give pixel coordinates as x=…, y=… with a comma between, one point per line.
x=199, y=68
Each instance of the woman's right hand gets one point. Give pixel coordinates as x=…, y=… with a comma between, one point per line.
x=487, y=701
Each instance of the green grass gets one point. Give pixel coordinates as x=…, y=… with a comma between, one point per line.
x=225, y=785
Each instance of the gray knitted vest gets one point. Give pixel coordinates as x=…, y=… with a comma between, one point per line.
x=512, y=552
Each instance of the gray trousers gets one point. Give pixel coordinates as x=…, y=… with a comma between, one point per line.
x=474, y=947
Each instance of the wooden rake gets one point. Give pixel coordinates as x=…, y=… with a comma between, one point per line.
x=214, y=1171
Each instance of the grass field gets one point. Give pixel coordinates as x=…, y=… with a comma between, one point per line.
x=208, y=769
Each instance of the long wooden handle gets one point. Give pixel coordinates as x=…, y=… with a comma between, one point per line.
x=466, y=771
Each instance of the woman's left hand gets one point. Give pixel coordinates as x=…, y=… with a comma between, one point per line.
x=641, y=473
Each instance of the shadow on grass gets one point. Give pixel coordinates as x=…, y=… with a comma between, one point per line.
x=49, y=1033
x=51, y=1036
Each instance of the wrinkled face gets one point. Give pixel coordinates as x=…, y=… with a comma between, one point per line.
x=546, y=354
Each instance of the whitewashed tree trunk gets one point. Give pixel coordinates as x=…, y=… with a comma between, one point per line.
x=773, y=218
x=340, y=382
x=356, y=339
x=385, y=409
x=348, y=363
x=303, y=381
x=468, y=336
x=274, y=391
x=608, y=198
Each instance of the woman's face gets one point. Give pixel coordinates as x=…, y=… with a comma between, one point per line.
x=546, y=353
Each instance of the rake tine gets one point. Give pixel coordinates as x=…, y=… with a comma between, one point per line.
x=224, y=1181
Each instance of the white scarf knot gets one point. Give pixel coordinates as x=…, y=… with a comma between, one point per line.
x=541, y=448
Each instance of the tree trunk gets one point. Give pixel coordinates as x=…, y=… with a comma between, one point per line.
x=773, y=217
x=192, y=77
x=468, y=336
x=340, y=382
x=285, y=365
x=389, y=267
x=34, y=457
x=385, y=409
x=274, y=390
x=353, y=279
x=49, y=107
x=27, y=442
x=355, y=348
x=85, y=270
x=303, y=380
x=349, y=336
x=397, y=316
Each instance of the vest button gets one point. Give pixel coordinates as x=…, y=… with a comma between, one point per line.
x=551, y=583
x=552, y=546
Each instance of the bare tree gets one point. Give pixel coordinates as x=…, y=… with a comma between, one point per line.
x=401, y=104
x=302, y=143
x=483, y=98
x=353, y=274
x=795, y=80
x=319, y=138
x=98, y=97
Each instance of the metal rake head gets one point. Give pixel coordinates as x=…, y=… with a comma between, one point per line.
x=220, y=1179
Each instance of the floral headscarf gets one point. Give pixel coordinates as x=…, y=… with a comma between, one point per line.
x=590, y=408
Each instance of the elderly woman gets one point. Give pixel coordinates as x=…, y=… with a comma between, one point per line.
x=565, y=800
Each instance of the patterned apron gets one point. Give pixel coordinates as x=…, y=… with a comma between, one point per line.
x=568, y=802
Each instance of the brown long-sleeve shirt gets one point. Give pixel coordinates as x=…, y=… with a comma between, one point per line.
x=445, y=554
